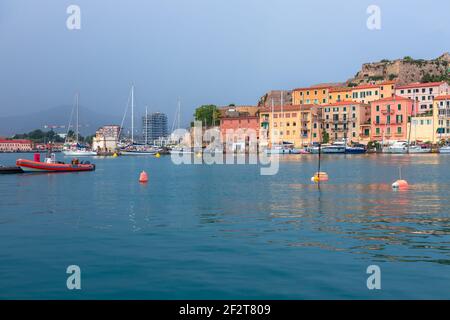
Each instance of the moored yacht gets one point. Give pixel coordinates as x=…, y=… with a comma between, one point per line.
x=418, y=149
x=445, y=149
x=283, y=148
x=335, y=147
x=397, y=147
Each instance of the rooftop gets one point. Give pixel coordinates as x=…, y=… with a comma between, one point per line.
x=421, y=85
x=393, y=98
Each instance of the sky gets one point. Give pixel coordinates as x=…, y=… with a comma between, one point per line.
x=200, y=51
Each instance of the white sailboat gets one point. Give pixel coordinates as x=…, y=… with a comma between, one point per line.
x=76, y=150
x=178, y=147
x=412, y=149
x=135, y=149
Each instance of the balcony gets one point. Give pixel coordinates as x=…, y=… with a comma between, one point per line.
x=390, y=111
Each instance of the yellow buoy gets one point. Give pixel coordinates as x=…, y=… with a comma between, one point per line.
x=199, y=155
x=320, y=176
x=157, y=155
x=115, y=155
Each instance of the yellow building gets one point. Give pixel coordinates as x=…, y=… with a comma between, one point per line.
x=312, y=95
x=338, y=94
x=422, y=128
x=441, y=117
x=347, y=120
x=387, y=89
x=297, y=124
x=366, y=93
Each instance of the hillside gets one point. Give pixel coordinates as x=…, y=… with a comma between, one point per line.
x=90, y=121
x=404, y=71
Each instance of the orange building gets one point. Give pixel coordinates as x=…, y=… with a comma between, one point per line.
x=387, y=89
x=338, y=94
x=300, y=125
x=312, y=95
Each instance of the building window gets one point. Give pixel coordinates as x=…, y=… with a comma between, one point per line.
x=399, y=130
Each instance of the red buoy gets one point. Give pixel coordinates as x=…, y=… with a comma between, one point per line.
x=143, y=177
x=400, y=184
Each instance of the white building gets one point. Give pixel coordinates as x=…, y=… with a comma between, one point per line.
x=423, y=93
x=106, y=139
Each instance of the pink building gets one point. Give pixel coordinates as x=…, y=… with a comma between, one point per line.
x=423, y=93
x=16, y=145
x=241, y=125
x=389, y=118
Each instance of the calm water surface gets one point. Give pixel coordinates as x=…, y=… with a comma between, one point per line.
x=224, y=231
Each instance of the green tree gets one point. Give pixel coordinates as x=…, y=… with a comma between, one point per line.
x=207, y=114
x=325, y=137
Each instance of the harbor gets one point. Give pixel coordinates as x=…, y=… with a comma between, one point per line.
x=226, y=229
x=224, y=159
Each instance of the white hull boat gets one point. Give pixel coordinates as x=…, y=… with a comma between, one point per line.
x=79, y=153
x=445, y=150
x=418, y=149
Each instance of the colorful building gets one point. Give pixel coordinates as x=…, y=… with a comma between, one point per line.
x=389, y=118
x=441, y=117
x=422, y=129
x=423, y=93
x=15, y=145
x=347, y=120
x=387, y=89
x=297, y=124
x=338, y=94
x=317, y=94
x=238, y=127
x=106, y=139
x=366, y=93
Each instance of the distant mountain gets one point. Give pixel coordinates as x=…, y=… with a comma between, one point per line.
x=404, y=71
x=89, y=121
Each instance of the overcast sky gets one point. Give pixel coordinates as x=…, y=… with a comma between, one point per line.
x=203, y=51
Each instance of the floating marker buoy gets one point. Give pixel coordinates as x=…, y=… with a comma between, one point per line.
x=400, y=184
x=157, y=155
x=143, y=177
x=115, y=155
x=320, y=176
x=199, y=155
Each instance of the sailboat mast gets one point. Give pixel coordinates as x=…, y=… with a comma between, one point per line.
x=271, y=127
x=282, y=113
x=76, y=131
x=179, y=114
x=132, y=114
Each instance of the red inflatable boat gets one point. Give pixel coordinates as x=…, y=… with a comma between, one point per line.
x=51, y=165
